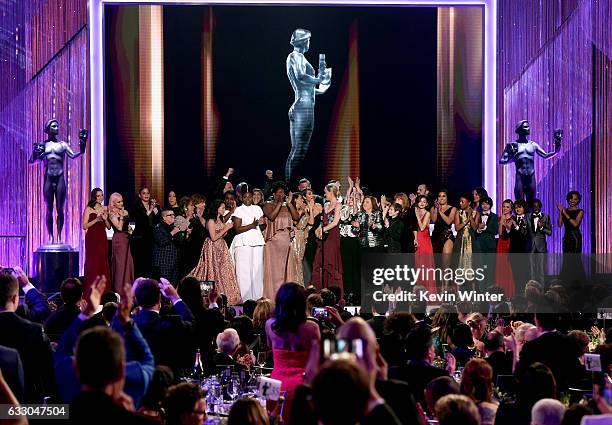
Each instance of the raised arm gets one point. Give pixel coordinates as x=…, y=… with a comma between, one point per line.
x=541, y=152
x=271, y=212
x=509, y=153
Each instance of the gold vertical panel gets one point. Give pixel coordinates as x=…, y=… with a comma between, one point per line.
x=210, y=121
x=150, y=169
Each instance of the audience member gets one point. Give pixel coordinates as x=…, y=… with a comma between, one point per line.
x=185, y=404
x=455, y=409
x=71, y=291
x=247, y=411
x=438, y=388
x=547, y=411
x=496, y=356
x=12, y=370
x=477, y=384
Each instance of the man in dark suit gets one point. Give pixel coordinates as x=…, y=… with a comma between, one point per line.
x=29, y=339
x=227, y=342
x=169, y=336
x=419, y=371
x=377, y=322
x=553, y=349
x=488, y=228
x=71, y=292
x=12, y=370
x=36, y=308
x=540, y=228
x=394, y=396
x=100, y=366
x=496, y=355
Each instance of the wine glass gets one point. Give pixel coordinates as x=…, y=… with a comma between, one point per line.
x=262, y=356
x=234, y=387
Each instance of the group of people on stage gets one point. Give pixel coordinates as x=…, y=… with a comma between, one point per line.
x=250, y=241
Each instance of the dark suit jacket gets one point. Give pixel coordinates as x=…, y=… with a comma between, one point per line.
x=93, y=407
x=170, y=337
x=12, y=370
x=377, y=323
x=398, y=396
x=36, y=308
x=34, y=348
x=538, y=237
x=381, y=414
x=417, y=374
x=501, y=363
x=57, y=323
x=485, y=240
x=556, y=351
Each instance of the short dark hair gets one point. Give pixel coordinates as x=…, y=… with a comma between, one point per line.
x=418, y=342
x=248, y=307
x=380, y=307
x=572, y=193
x=147, y=293
x=109, y=297
x=279, y=185
x=9, y=286
x=332, y=403
x=71, y=291
x=547, y=321
x=486, y=200
x=100, y=357
x=493, y=341
x=441, y=386
x=462, y=335
x=180, y=400
x=536, y=201
x=329, y=298
x=520, y=203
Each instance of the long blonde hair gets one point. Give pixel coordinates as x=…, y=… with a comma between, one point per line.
x=263, y=311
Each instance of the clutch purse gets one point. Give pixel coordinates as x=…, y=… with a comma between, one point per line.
x=181, y=222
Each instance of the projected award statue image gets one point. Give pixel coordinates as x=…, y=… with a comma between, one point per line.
x=304, y=82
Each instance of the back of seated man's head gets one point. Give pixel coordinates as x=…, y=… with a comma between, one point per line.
x=547, y=411
x=9, y=292
x=248, y=308
x=333, y=404
x=147, y=293
x=71, y=291
x=100, y=358
x=227, y=341
x=329, y=299
x=454, y=409
x=313, y=300
x=462, y=336
x=310, y=289
x=494, y=341
x=535, y=383
x=419, y=344
x=438, y=388
x=547, y=321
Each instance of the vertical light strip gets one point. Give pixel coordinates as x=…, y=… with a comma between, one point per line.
x=157, y=100
x=96, y=83
x=97, y=69
x=490, y=99
x=151, y=81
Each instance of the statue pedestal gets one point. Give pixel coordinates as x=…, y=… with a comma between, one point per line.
x=53, y=264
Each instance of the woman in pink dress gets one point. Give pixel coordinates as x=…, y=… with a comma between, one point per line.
x=215, y=261
x=503, y=271
x=328, y=244
x=280, y=214
x=424, y=249
x=95, y=222
x=122, y=262
x=291, y=337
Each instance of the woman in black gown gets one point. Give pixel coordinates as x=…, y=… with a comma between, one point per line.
x=572, y=270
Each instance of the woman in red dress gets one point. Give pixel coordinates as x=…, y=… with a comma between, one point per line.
x=503, y=271
x=424, y=249
x=328, y=244
x=95, y=222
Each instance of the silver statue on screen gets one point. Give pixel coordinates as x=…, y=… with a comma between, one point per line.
x=302, y=77
x=522, y=152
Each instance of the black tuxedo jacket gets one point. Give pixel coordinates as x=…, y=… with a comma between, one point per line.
x=12, y=370
x=417, y=374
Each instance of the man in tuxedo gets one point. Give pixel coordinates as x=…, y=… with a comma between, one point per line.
x=169, y=336
x=227, y=342
x=29, y=339
x=553, y=349
x=419, y=371
x=540, y=228
x=497, y=357
x=488, y=228
x=71, y=292
x=100, y=366
x=12, y=370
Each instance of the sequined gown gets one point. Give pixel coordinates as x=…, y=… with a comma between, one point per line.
x=464, y=243
x=216, y=264
x=298, y=248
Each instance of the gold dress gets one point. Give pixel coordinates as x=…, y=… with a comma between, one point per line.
x=298, y=247
x=464, y=242
x=278, y=261
x=216, y=264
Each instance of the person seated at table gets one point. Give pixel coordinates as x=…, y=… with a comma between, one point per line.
x=185, y=404
x=477, y=384
x=438, y=388
x=247, y=411
x=547, y=411
x=463, y=344
x=227, y=343
x=496, y=355
x=71, y=291
x=419, y=370
x=457, y=409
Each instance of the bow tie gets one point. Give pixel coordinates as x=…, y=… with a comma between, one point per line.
x=485, y=213
x=537, y=215
x=520, y=217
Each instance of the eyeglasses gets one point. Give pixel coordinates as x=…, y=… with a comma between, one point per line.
x=169, y=215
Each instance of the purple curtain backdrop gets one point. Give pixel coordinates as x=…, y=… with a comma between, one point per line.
x=44, y=75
